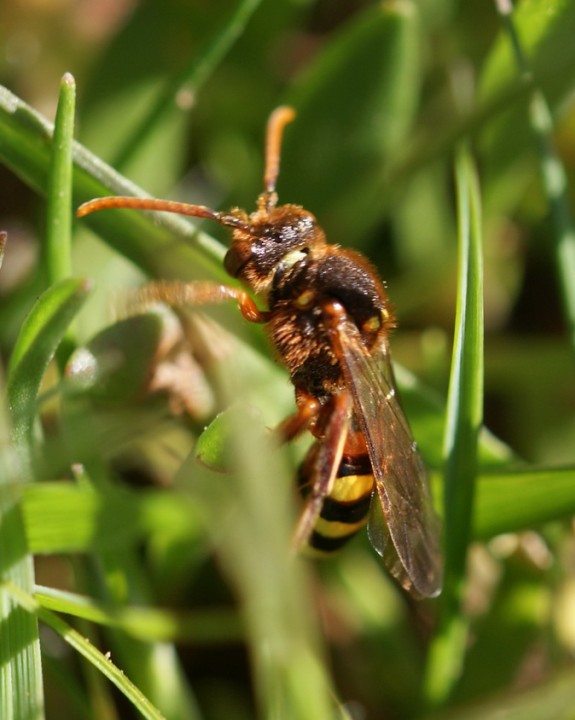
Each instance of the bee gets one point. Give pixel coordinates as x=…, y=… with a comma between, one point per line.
x=329, y=318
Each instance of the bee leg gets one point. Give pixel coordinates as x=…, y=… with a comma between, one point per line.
x=325, y=465
x=308, y=409
x=180, y=294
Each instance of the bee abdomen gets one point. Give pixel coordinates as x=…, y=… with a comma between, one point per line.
x=345, y=509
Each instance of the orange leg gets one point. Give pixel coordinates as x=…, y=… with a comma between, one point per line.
x=308, y=409
x=181, y=294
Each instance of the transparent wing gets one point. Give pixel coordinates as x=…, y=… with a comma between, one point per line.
x=407, y=536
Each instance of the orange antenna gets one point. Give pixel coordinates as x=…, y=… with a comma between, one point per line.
x=279, y=118
x=135, y=203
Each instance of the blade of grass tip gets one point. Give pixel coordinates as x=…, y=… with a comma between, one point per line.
x=150, y=242
x=59, y=201
x=552, y=170
x=101, y=662
x=181, y=90
x=21, y=694
x=463, y=424
x=58, y=242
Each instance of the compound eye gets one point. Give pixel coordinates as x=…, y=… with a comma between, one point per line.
x=236, y=258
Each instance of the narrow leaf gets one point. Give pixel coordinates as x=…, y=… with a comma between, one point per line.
x=512, y=501
x=146, y=623
x=190, y=79
x=552, y=169
x=21, y=693
x=20, y=664
x=68, y=518
x=463, y=425
x=359, y=96
x=101, y=662
x=39, y=337
x=25, y=147
x=59, y=207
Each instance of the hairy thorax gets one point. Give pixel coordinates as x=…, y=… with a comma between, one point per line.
x=298, y=299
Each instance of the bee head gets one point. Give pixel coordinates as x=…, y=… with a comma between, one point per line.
x=272, y=240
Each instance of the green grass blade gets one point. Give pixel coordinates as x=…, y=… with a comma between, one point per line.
x=190, y=79
x=58, y=237
x=101, y=662
x=553, y=173
x=20, y=664
x=74, y=518
x=546, y=494
x=546, y=31
x=463, y=424
x=39, y=337
x=59, y=206
x=147, y=623
x=251, y=529
x=465, y=399
x=26, y=146
x=333, y=98
x=21, y=695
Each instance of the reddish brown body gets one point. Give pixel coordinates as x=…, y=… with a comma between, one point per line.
x=328, y=317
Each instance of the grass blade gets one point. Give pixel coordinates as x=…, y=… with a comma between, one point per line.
x=552, y=170
x=39, y=337
x=251, y=528
x=58, y=241
x=21, y=695
x=190, y=79
x=100, y=661
x=146, y=623
x=20, y=669
x=547, y=494
x=59, y=207
x=26, y=147
x=385, y=39
x=463, y=424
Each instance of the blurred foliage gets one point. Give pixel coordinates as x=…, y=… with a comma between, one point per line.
x=384, y=91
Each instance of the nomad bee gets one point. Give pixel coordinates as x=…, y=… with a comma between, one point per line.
x=329, y=318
